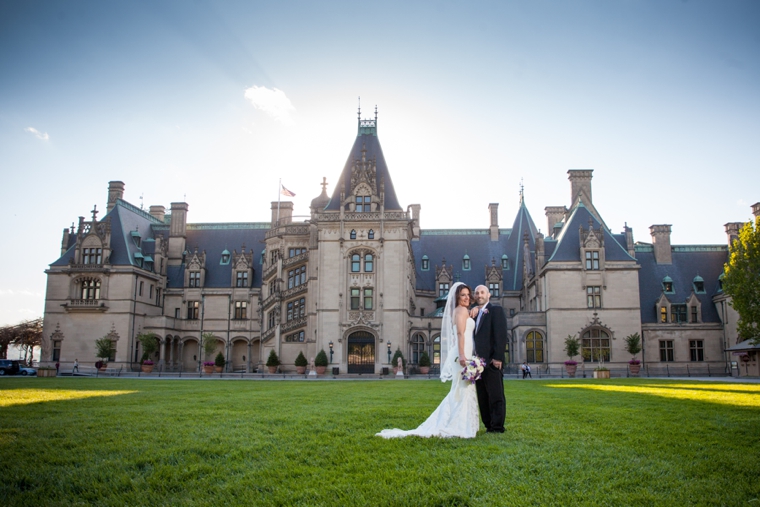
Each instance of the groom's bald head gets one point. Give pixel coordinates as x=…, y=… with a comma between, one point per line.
x=482, y=295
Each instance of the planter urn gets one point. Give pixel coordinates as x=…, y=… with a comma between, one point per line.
x=424, y=370
x=147, y=368
x=634, y=368
x=320, y=369
x=272, y=369
x=300, y=370
x=571, y=369
x=208, y=370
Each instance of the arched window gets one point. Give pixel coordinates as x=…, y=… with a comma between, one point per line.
x=667, y=285
x=595, y=345
x=369, y=263
x=371, y=234
x=534, y=347
x=90, y=288
x=504, y=262
x=699, y=284
x=425, y=263
x=466, y=262
x=353, y=234
x=418, y=346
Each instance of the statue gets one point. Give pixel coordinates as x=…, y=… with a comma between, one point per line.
x=400, y=369
x=312, y=369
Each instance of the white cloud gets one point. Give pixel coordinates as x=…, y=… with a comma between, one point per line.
x=273, y=102
x=11, y=292
x=741, y=203
x=40, y=135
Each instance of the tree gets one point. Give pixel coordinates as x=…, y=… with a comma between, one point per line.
x=103, y=348
x=27, y=335
x=741, y=280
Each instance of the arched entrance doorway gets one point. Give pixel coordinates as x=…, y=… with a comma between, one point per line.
x=361, y=352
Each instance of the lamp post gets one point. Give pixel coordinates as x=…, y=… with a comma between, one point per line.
x=331, y=350
x=389, y=352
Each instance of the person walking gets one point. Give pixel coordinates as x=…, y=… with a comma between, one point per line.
x=526, y=369
x=76, y=366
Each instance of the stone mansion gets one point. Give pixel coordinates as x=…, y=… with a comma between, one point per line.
x=360, y=279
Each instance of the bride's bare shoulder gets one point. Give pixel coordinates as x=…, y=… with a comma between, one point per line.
x=459, y=310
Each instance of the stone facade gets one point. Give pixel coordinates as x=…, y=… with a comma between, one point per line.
x=359, y=278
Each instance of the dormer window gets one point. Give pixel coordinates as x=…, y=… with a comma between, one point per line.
x=263, y=256
x=241, y=279
x=667, y=285
x=353, y=234
x=371, y=234
x=425, y=263
x=699, y=285
x=225, y=257
x=720, y=283
x=363, y=204
x=136, y=238
x=592, y=260
x=195, y=279
x=504, y=262
x=466, y=262
x=139, y=259
x=92, y=255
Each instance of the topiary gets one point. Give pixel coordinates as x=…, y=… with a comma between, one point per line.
x=273, y=360
x=219, y=360
x=301, y=360
x=424, y=359
x=321, y=359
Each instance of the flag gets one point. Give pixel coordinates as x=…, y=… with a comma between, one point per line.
x=284, y=191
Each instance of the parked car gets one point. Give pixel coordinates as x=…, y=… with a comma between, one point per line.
x=25, y=370
x=9, y=367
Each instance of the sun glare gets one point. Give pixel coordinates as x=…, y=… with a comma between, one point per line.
x=739, y=395
x=26, y=396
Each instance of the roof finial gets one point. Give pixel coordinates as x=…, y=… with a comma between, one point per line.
x=522, y=187
x=95, y=213
x=375, y=114
x=359, y=112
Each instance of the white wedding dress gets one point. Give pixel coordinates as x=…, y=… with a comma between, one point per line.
x=457, y=415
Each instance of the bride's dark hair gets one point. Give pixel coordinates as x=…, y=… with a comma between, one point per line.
x=459, y=291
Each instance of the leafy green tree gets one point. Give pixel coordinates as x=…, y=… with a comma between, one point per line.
x=741, y=280
x=149, y=343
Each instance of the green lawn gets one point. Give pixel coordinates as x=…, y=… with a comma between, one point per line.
x=198, y=442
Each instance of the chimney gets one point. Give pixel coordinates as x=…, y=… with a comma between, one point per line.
x=115, y=191
x=65, y=241
x=580, y=185
x=554, y=215
x=661, y=241
x=177, y=232
x=285, y=211
x=493, y=209
x=540, y=252
x=415, y=220
x=158, y=212
x=756, y=209
x=732, y=231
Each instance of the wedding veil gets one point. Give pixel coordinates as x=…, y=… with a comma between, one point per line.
x=449, y=345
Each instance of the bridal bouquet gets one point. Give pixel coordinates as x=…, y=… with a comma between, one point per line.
x=473, y=369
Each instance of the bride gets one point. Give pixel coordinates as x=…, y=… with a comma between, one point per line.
x=457, y=415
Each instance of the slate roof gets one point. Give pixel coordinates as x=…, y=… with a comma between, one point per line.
x=689, y=261
x=213, y=238
x=371, y=142
x=567, y=247
x=454, y=244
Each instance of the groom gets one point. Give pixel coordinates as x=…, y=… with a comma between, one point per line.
x=490, y=342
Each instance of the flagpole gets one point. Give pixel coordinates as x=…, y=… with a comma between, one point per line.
x=279, y=191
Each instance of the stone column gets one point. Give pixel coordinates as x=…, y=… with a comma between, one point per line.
x=248, y=360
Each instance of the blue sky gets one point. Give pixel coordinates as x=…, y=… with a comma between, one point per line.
x=661, y=98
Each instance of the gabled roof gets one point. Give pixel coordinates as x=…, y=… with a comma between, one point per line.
x=689, y=261
x=568, y=246
x=454, y=244
x=366, y=139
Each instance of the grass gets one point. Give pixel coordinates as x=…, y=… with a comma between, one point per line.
x=194, y=442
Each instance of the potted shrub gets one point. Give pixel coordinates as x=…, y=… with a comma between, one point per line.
x=320, y=362
x=149, y=343
x=219, y=362
x=398, y=355
x=601, y=371
x=424, y=363
x=208, y=343
x=572, y=346
x=273, y=361
x=103, y=351
x=633, y=347
x=301, y=363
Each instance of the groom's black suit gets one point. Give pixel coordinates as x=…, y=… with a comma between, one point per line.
x=490, y=342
